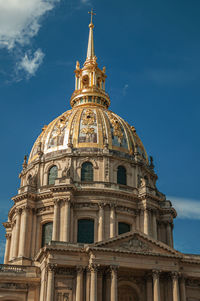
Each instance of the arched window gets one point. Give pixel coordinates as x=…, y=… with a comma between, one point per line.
x=123, y=228
x=121, y=175
x=46, y=233
x=87, y=172
x=85, y=231
x=85, y=81
x=53, y=174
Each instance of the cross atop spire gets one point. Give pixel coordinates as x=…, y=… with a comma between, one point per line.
x=92, y=14
x=90, y=50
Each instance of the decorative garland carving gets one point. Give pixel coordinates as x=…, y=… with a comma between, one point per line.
x=117, y=128
x=135, y=244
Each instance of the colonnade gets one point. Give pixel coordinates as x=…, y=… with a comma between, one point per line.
x=18, y=242
x=18, y=245
x=92, y=293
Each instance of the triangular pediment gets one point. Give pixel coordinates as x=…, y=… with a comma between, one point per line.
x=136, y=242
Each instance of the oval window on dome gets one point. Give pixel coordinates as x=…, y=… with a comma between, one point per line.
x=85, y=231
x=121, y=175
x=123, y=228
x=53, y=174
x=46, y=233
x=87, y=172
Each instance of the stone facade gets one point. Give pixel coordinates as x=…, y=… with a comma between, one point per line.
x=135, y=265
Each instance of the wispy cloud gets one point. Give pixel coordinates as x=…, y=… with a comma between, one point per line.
x=20, y=21
x=85, y=2
x=30, y=63
x=125, y=89
x=186, y=208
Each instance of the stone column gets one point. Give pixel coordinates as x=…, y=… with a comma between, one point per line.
x=23, y=232
x=182, y=289
x=7, y=250
x=113, y=290
x=149, y=287
x=169, y=234
x=34, y=228
x=79, y=284
x=101, y=223
x=146, y=221
x=88, y=284
x=155, y=236
x=42, y=284
x=156, y=286
x=55, y=220
x=175, y=286
x=17, y=231
x=107, y=285
x=50, y=282
x=137, y=214
x=66, y=229
x=112, y=221
x=72, y=223
x=100, y=285
x=12, y=241
x=93, y=282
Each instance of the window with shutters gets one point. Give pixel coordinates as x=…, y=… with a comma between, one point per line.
x=87, y=172
x=121, y=175
x=123, y=228
x=47, y=233
x=85, y=231
x=53, y=174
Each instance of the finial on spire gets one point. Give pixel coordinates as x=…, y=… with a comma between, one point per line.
x=90, y=50
x=92, y=14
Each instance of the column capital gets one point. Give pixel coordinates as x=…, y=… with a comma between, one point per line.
x=114, y=268
x=93, y=267
x=25, y=208
x=102, y=205
x=79, y=269
x=51, y=267
x=113, y=205
x=67, y=200
x=57, y=201
x=156, y=273
x=8, y=235
x=175, y=275
x=18, y=211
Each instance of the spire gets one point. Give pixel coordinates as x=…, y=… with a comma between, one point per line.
x=90, y=50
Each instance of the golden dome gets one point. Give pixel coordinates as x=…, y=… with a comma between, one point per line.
x=89, y=125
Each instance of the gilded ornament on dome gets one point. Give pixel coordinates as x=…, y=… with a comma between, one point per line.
x=88, y=127
x=88, y=117
x=117, y=128
x=87, y=131
x=58, y=132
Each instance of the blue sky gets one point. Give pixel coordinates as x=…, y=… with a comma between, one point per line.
x=151, y=52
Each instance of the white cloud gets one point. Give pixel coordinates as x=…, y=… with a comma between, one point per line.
x=20, y=20
x=125, y=89
x=30, y=63
x=186, y=208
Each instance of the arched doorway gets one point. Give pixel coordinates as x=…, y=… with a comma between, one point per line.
x=127, y=293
